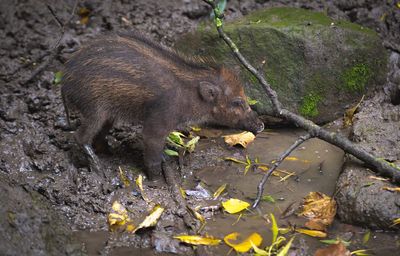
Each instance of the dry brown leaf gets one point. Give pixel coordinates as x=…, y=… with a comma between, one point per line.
x=349, y=114
x=242, y=139
x=333, y=250
x=319, y=208
x=316, y=225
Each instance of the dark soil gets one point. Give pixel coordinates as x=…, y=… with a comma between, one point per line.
x=46, y=189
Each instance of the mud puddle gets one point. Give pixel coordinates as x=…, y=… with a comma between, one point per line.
x=315, y=166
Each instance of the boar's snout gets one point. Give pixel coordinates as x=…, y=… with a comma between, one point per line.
x=253, y=123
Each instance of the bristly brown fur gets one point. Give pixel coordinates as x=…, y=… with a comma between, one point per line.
x=132, y=79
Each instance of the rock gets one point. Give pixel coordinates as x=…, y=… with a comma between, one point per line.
x=30, y=226
x=318, y=66
x=361, y=200
x=376, y=128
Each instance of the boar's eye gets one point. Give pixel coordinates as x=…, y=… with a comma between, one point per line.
x=238, y=102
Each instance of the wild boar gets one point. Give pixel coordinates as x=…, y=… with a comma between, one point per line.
x=130, y=78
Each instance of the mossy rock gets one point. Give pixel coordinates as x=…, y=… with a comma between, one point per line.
x=318, y=66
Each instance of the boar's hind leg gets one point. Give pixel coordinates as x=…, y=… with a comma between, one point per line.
x=87, y=131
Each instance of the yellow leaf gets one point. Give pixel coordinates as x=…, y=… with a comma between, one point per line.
x=285, y=249
x=197, y=240
x=116, y=219
x=392, y=189
x=293, y=158
x=309, y=232
x=366, y=237
x=130, y=227
x=378, y=178
x=219, y=191
x=197, y=215
x=183, y=193
x=242, y=139
x=119, y=218
x=151, y=220
x=139, y=182
x=274, y=228
x=396, y=221
x=398, y=4
x=360, y=252
x=235, y=160
x=244, y=246
x=258, y=251
x=195, y=128
x=123, y=177
x=234, y=205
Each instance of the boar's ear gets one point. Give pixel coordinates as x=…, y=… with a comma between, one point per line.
x=208, y=91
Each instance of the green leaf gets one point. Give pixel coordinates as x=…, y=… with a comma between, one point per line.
x=251, y=101
x=171, y=152
x=268, y=198
x=285, y=249
x=58, y=77
x=191, y=144
x=274, y=228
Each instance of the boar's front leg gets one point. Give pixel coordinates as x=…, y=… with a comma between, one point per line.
x=154, y=134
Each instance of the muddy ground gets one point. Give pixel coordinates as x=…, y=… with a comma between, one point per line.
x=49, y=199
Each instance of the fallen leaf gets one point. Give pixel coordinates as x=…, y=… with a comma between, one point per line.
x=139, y=184
x=84, y=14
x=349, y=114
x=234, y=205
x=58, y=77
x=258, y=251
x=235, y=160
x=246, y=244
x=392, y=189
x=123, y=177
x=274, y=228
x=198, y=240
x=319, y=208
x=170, y=152
x=118, y=219
x=151, y=219
x=285, y=250
x=360, y=252
x=309, y=232
x=333, y=250
x=242, y=139
x=316, y=224
x=366, y=237
x=378, y=178
x=219, y=191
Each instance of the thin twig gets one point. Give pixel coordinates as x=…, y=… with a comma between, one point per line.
x=260, y=187
x=55, y=49
x=380, y=165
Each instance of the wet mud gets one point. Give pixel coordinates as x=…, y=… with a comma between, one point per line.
x=51, y=204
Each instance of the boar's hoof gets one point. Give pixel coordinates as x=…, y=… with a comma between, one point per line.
x=94, y=160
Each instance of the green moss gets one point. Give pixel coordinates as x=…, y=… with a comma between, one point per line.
x=309, y=106
x=356, y=78
x=289, y=17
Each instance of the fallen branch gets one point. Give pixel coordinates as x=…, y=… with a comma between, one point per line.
x=260, y=187
x=380, y=166
x=55, y=49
